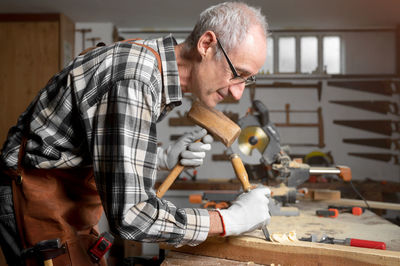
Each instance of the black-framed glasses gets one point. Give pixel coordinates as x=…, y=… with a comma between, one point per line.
x=237, y=79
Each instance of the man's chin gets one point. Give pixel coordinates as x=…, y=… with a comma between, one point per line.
x=210, y=101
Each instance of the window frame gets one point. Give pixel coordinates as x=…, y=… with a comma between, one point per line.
x=298, y=35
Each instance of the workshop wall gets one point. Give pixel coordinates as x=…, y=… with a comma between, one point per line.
x=101, y=32
x=364, y=53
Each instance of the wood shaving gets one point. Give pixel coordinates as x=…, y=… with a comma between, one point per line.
x=284, y=238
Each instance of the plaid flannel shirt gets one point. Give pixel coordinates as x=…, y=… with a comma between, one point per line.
x=101, y=111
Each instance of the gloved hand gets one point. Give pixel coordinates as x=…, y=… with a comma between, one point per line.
x=248, y=212
x=185, y=150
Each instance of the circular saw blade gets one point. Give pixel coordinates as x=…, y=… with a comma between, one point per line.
x=251, y=138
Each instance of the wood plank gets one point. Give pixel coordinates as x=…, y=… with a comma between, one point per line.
x=361, y=203
x=178, y=259
x=258, y=250
x=253, y=246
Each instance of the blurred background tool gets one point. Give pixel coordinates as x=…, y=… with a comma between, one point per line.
x=259, y=147
x=331, y=213
x=353, y=210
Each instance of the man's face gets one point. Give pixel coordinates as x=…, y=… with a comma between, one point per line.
x=213, y=78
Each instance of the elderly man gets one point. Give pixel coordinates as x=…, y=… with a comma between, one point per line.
x=88, y=141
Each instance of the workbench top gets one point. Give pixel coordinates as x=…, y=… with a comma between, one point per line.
x=368, y=226
x=253, y=247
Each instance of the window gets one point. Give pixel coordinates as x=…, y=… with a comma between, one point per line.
x=287, y=55
x=268, y=67
x=303, y=53
x=309, y=54
x=331, y=61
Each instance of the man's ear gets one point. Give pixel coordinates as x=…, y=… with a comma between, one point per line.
x=206, y=42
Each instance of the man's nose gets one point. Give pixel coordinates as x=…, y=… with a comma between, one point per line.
x=237, y=90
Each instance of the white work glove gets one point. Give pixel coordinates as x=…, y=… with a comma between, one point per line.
x=185, y=150
x=248, y=212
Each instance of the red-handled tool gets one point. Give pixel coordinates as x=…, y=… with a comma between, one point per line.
x=354, y=242
x=365, y=243
x=347, y=241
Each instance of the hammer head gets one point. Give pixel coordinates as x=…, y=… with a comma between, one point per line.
x=218, y=124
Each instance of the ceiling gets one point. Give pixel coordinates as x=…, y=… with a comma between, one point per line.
x=182, y=14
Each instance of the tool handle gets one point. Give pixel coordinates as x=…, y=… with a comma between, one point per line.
x=169, y=180
x=366, y=243
x=240, y=172
x=333, y=213
x=263, y=110
x=345, y=172
x=48, y=262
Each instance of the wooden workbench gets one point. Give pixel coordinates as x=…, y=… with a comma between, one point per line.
x=253, y=247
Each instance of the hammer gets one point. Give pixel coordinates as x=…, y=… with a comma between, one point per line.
x=45, y=250
x=222, y=129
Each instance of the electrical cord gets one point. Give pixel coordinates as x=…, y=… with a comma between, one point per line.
x=359, y=194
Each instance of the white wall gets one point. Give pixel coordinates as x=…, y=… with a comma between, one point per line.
x=369, y=52
x=103, y=31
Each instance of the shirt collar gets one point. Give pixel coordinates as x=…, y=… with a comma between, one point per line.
x=172, y=93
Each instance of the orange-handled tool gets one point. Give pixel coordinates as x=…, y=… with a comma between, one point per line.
x=240, y=171
x=242, y=175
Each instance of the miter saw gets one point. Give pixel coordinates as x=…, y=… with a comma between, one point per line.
x=259, y=147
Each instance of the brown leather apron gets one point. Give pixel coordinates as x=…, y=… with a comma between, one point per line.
x=57, y=203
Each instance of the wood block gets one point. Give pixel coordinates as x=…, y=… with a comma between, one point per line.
x=178, y=258
x=325, y=194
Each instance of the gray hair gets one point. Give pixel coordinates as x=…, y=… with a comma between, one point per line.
x=230, y=21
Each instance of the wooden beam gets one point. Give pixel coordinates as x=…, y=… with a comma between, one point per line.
x=361, y=203
x=257, y=250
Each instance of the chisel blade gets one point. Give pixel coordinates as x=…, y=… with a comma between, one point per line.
x=382, y=107
x=385, y=143
x=383, y=127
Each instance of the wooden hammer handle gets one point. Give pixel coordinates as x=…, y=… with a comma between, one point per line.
x=240, y=172
x=169, y=180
